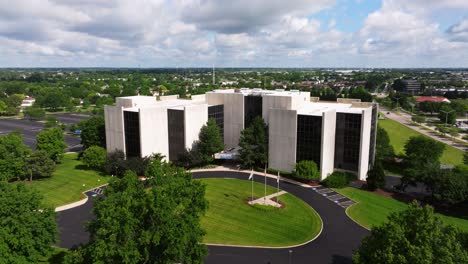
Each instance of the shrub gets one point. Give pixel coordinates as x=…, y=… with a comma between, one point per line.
x=95, y=157
x=306, y=169
x=338, y=179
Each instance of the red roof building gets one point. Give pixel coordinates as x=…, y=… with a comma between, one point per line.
x=438, y=99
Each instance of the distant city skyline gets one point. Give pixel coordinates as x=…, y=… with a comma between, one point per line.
x=255, y=33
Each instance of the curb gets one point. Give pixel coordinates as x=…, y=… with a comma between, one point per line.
x=77, y=203
x=266, y=247
x=346, y=212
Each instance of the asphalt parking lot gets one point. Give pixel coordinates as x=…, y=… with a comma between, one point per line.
x=29, y=129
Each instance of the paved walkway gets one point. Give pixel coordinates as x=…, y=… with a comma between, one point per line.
x=335, y=197
x=267, y=200
x=405, y=120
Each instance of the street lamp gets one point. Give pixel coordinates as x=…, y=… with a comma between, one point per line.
x=397, y=101
x=446, y=115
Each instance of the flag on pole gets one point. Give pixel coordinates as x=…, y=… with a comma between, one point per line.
x=251, y=176
x=277, y=178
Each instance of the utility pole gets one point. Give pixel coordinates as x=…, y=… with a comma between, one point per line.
x=397, y=101
x=264, y=197
x=446, y=115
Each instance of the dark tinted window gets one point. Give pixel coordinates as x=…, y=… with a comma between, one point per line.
x=252, y=108
x=132, y=134
x=309, y=138
x=217, y=112
x=347, y=141
x=176, y=132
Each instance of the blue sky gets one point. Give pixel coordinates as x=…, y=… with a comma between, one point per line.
x=240, y=33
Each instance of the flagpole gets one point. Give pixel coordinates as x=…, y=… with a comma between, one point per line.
x=264, y=197
x=277, y=187
x=251, y=173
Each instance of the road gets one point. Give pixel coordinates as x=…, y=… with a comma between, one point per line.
x=405, y=120
x=340, y=235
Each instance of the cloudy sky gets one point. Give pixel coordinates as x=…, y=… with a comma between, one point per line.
x=234, y=33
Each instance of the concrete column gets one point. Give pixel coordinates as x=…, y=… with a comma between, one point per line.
x=153, y=131
x=365, y=144
x=195, y=117
x=282, y=139
x=327, y=156
x=115, y=138
x=233, y=118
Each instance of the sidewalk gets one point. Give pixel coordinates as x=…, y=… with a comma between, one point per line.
x=405, y=120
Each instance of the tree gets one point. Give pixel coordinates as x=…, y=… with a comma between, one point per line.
x=93, y=132
x=3, y=107
x=28, y=230
x=39, y=165
x=52, y=142
x=376, y=177
x=383, y=148
x=448, y=186
x=210, y=141
x=360, y=93
x=13, y=153
x=51, y=121
x=422, y=157
x=53, y=99
x=254, y=144
x=34, y=112
x=115, y=164
x=415, y=235
x=398, y=85
x=95, y=157
x=157, y=226
x=306, y=169
x=423, y=150
x=418, y=119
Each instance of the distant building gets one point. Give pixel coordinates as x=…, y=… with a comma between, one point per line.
x=439, y=99
x=337, y=135
x=28, y=101
x=412, y=87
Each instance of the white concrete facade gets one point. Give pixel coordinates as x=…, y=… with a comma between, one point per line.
x=279, y=109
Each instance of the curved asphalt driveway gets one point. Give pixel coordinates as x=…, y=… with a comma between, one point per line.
x=339, y=237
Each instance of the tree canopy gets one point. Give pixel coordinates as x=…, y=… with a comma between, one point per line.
x=39, y=165
x=13, y=154
x=383, y=148
x=52, y=142
x=415, y=235
x=306, y=169
x=95, y=157
x=161, y=225
x=93, y=132
x=210, y=141
x=27, y=228
x=423, y=150
x=254, y=144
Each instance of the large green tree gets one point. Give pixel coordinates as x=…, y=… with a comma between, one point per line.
x=210, y=141
x=415, y=235
x=34, y=112
x=254, y=144
x=376, y=176
x=93, y=132
x=39, y=165
x=13, y=154
x=27, y=228
x=161, y=225
x=422, y=158
x=383, y=148
x=52, y=142
x=95, y=157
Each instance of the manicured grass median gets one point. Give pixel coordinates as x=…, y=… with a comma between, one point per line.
x=66, y=184
x=399, y=135
x=229, y=220
x=373, y=209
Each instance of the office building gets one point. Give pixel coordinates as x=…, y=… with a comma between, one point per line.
x=336, y=135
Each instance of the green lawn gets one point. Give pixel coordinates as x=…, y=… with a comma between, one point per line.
x=229, y=220
x=373, y=209
x=399, y=135
x=66, y=184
